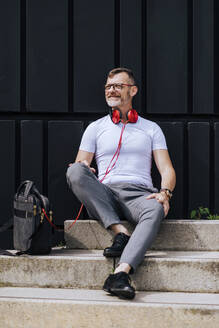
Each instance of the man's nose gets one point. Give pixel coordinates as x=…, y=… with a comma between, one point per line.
x=112, y=86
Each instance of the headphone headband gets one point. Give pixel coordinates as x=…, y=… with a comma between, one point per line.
x=116, y=115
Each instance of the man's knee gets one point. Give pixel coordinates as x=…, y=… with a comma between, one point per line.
x=76, y=173
x=158, y=210
x=153, y=211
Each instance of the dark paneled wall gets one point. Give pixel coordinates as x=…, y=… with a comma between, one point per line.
x=54, y=58
x=46, y=56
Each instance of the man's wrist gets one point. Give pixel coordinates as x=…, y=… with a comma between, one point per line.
x=167, y=192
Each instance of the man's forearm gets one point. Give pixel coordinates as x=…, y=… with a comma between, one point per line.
x=168, y=179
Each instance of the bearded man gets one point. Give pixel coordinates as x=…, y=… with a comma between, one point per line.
x=123, y=144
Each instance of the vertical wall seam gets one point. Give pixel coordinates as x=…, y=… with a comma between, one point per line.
x=45, y=158
x=144, y=57
x=212, y=167
x=17, y=153
x=215, y=54
x=186, y=172
x=27, y=34
x=190, y=53
x=117, y=33
x=23, y=56
x=70, y=54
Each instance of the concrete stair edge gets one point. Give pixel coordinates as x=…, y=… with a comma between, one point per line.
x=176, y=235
x=34, y=307
x=164, y=271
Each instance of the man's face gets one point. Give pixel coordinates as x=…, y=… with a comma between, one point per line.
x=115, y=96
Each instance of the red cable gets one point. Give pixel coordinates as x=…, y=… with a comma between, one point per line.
x=54, y=226
x=107, y=171
x=79, y=213
x=117, y=152
x=50, y=222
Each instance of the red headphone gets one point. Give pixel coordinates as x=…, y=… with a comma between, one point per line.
x=116, y=115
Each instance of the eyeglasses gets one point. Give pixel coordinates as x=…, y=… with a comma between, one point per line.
x=117, y=86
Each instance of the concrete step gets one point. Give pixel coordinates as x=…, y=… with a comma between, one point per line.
x=160, y=271
x=182, y=235
x=68, y=308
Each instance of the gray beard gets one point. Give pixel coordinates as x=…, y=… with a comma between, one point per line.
x=113, y=103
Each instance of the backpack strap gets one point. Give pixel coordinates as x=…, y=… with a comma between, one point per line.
x=41, y=197
x=27, y=185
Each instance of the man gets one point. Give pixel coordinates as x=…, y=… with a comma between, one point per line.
x=123, y=144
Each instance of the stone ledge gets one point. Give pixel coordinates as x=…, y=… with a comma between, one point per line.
x=86, y=308
x=66, y=268
x=187, y=235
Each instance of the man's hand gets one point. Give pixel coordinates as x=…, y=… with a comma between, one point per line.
x=163, y=199
x=86, y=163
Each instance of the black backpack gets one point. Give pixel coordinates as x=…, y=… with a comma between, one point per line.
x=32, y=230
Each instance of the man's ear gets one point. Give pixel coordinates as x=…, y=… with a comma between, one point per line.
x=134, y=90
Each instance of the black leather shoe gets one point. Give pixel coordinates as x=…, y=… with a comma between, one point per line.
x=119, y=243
x=119, y=284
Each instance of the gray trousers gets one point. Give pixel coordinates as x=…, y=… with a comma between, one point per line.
x=111, y=203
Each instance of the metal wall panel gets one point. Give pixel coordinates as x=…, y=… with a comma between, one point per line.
x=32, y=165
x=199, y=164
x=203, y=56
x=166, y=56
x=9, y=55
x=63, y=143
x=216, y=166
x=47, y=56
x=54, y=58
x=94, y=28
x=7, y=172
x=131, y=42
x=6, y=239
x=174, y=133
x=216, y=57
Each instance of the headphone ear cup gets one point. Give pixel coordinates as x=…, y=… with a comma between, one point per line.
x=116, y=116
x=132, y=116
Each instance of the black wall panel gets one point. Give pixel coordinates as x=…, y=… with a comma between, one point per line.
x=54, y=58
x=131, y=42
x=47, y=55
x=7, y=172
x=6, y=239
x=203, y=56
x=166, y=68
x=9, y=55
x=94, y=53
x=174, y=133
x=63, y=143
x=32, y=147
x=216, y=166
x=199, y=164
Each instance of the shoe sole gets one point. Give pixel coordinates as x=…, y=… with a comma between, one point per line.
x=108, y=291
x=122, y=293
x=112, y=254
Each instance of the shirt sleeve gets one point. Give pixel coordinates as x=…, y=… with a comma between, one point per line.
x=88, y=141
x=159, y=141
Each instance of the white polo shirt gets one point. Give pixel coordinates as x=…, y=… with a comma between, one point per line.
x=134, y=162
